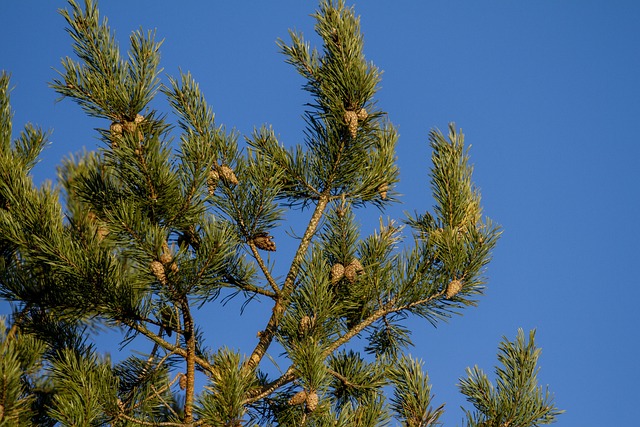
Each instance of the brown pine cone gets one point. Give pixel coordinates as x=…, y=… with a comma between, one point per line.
x=312, y=401
x=298, y=398
x=227, y=175
x=453, y=288
x=166, y=256
x=305, y=325
x=212, y=181
x=116, y=133
x=337, y=273
x=351, y=119
x=158, y=270
x=362, y=114
x=264, y=242
x=352, y=270
x=382, y=190
x=183, y=381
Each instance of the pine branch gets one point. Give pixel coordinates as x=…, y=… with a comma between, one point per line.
x=190, y=340
x=205, y=365
x=289, y=285
x=265, y=271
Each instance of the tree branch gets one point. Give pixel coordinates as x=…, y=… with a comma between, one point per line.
x=289, y=285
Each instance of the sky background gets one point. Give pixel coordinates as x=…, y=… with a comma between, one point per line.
x=546, y=93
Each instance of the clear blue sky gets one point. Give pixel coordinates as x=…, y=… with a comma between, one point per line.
x=547, y=94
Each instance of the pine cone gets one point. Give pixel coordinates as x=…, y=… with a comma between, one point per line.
x=132, y=127
x=139, y=119
x=312, y=401
x=453, y=288
x=212, y=181
x=351, y=119
x=102, y=233
x=116, y=129
x=337, y=273
x=352, y=270
x=382, y=190
x=166, y=256
x=227, y=175
x=305, y=325
x=116, y=133
x=158, y=270
x=129, y=127
x=362, y=114
x=182, y=381
x=298, y=398
x=264, y=242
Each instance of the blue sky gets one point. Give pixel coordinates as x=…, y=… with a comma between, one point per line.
x=546, y=93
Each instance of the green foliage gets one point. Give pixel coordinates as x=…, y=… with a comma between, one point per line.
x=412, y=396
x=516, y=399
x=142, y=233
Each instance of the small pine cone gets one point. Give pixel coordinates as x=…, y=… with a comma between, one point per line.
x=362, y=114
x=352, y=270
x=212, y=181
x=166, y=256
x=182, y=381
x=158, y=270
x=132, y=127
x=264, y=242
x=453, y=288
x=351, y=119
x=305, y=325
x=356, y=264
x=116, y=133
x=382, y=190
x=298, y=398
x=227, y=175
x=312, y=401
x=102, y=233
x=139, y=119
x=116, y=129
x=337, y=273
x=174, y=267
x=129, y=126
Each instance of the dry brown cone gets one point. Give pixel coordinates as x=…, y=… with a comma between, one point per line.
x=352, y=270
x=337, y=273
x=212, y=181
x=305, y=325
x=312, y=401
x=453, y=288
x=158, y=270
x=264, y=242
x=382, y=189
x=182, y=381
x=362, y=114
x=132, y=127
x=351, y=119
x=116, y=133
x=227, y=175
x=166, y=256
x=129, y=127
x=298, y=398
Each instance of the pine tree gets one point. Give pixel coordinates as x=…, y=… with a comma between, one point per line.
x=141, y=233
